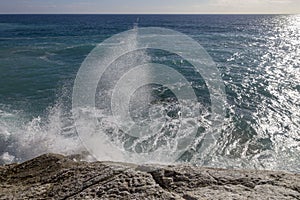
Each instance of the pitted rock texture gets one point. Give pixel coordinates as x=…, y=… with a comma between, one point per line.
x=53, y=176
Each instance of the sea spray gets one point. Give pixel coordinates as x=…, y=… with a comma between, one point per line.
x=257, y=57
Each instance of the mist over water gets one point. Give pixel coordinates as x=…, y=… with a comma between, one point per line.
x=257, y=56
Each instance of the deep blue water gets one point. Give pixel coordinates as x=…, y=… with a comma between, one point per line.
x=258, y=57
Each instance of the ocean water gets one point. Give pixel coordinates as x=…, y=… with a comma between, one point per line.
x=258, y=58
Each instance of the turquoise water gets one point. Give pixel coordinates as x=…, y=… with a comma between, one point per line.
x=258, y=57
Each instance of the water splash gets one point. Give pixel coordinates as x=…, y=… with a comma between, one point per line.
x=24, y=139
x=262, y=128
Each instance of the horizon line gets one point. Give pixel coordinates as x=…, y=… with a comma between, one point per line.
x=149, y=13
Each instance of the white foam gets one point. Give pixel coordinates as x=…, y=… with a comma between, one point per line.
x=28, y=139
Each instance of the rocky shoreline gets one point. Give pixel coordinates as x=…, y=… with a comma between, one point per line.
x=53, y=176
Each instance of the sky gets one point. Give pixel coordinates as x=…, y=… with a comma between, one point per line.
x=150, y=6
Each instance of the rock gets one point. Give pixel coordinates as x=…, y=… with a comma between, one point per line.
x=53, y=176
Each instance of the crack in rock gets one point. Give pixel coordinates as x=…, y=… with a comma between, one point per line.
x=53, y=176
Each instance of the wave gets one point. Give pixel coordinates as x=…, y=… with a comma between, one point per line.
x=261, y=129
x=238, y=147
x=22, y=139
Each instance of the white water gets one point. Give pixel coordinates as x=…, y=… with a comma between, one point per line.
x=22, y=137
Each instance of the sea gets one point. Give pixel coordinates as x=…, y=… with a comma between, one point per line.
x=257, y=58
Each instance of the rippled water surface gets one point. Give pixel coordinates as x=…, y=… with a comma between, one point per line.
x=258, y=58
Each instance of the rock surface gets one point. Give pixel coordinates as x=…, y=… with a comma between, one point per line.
x=53, y=176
